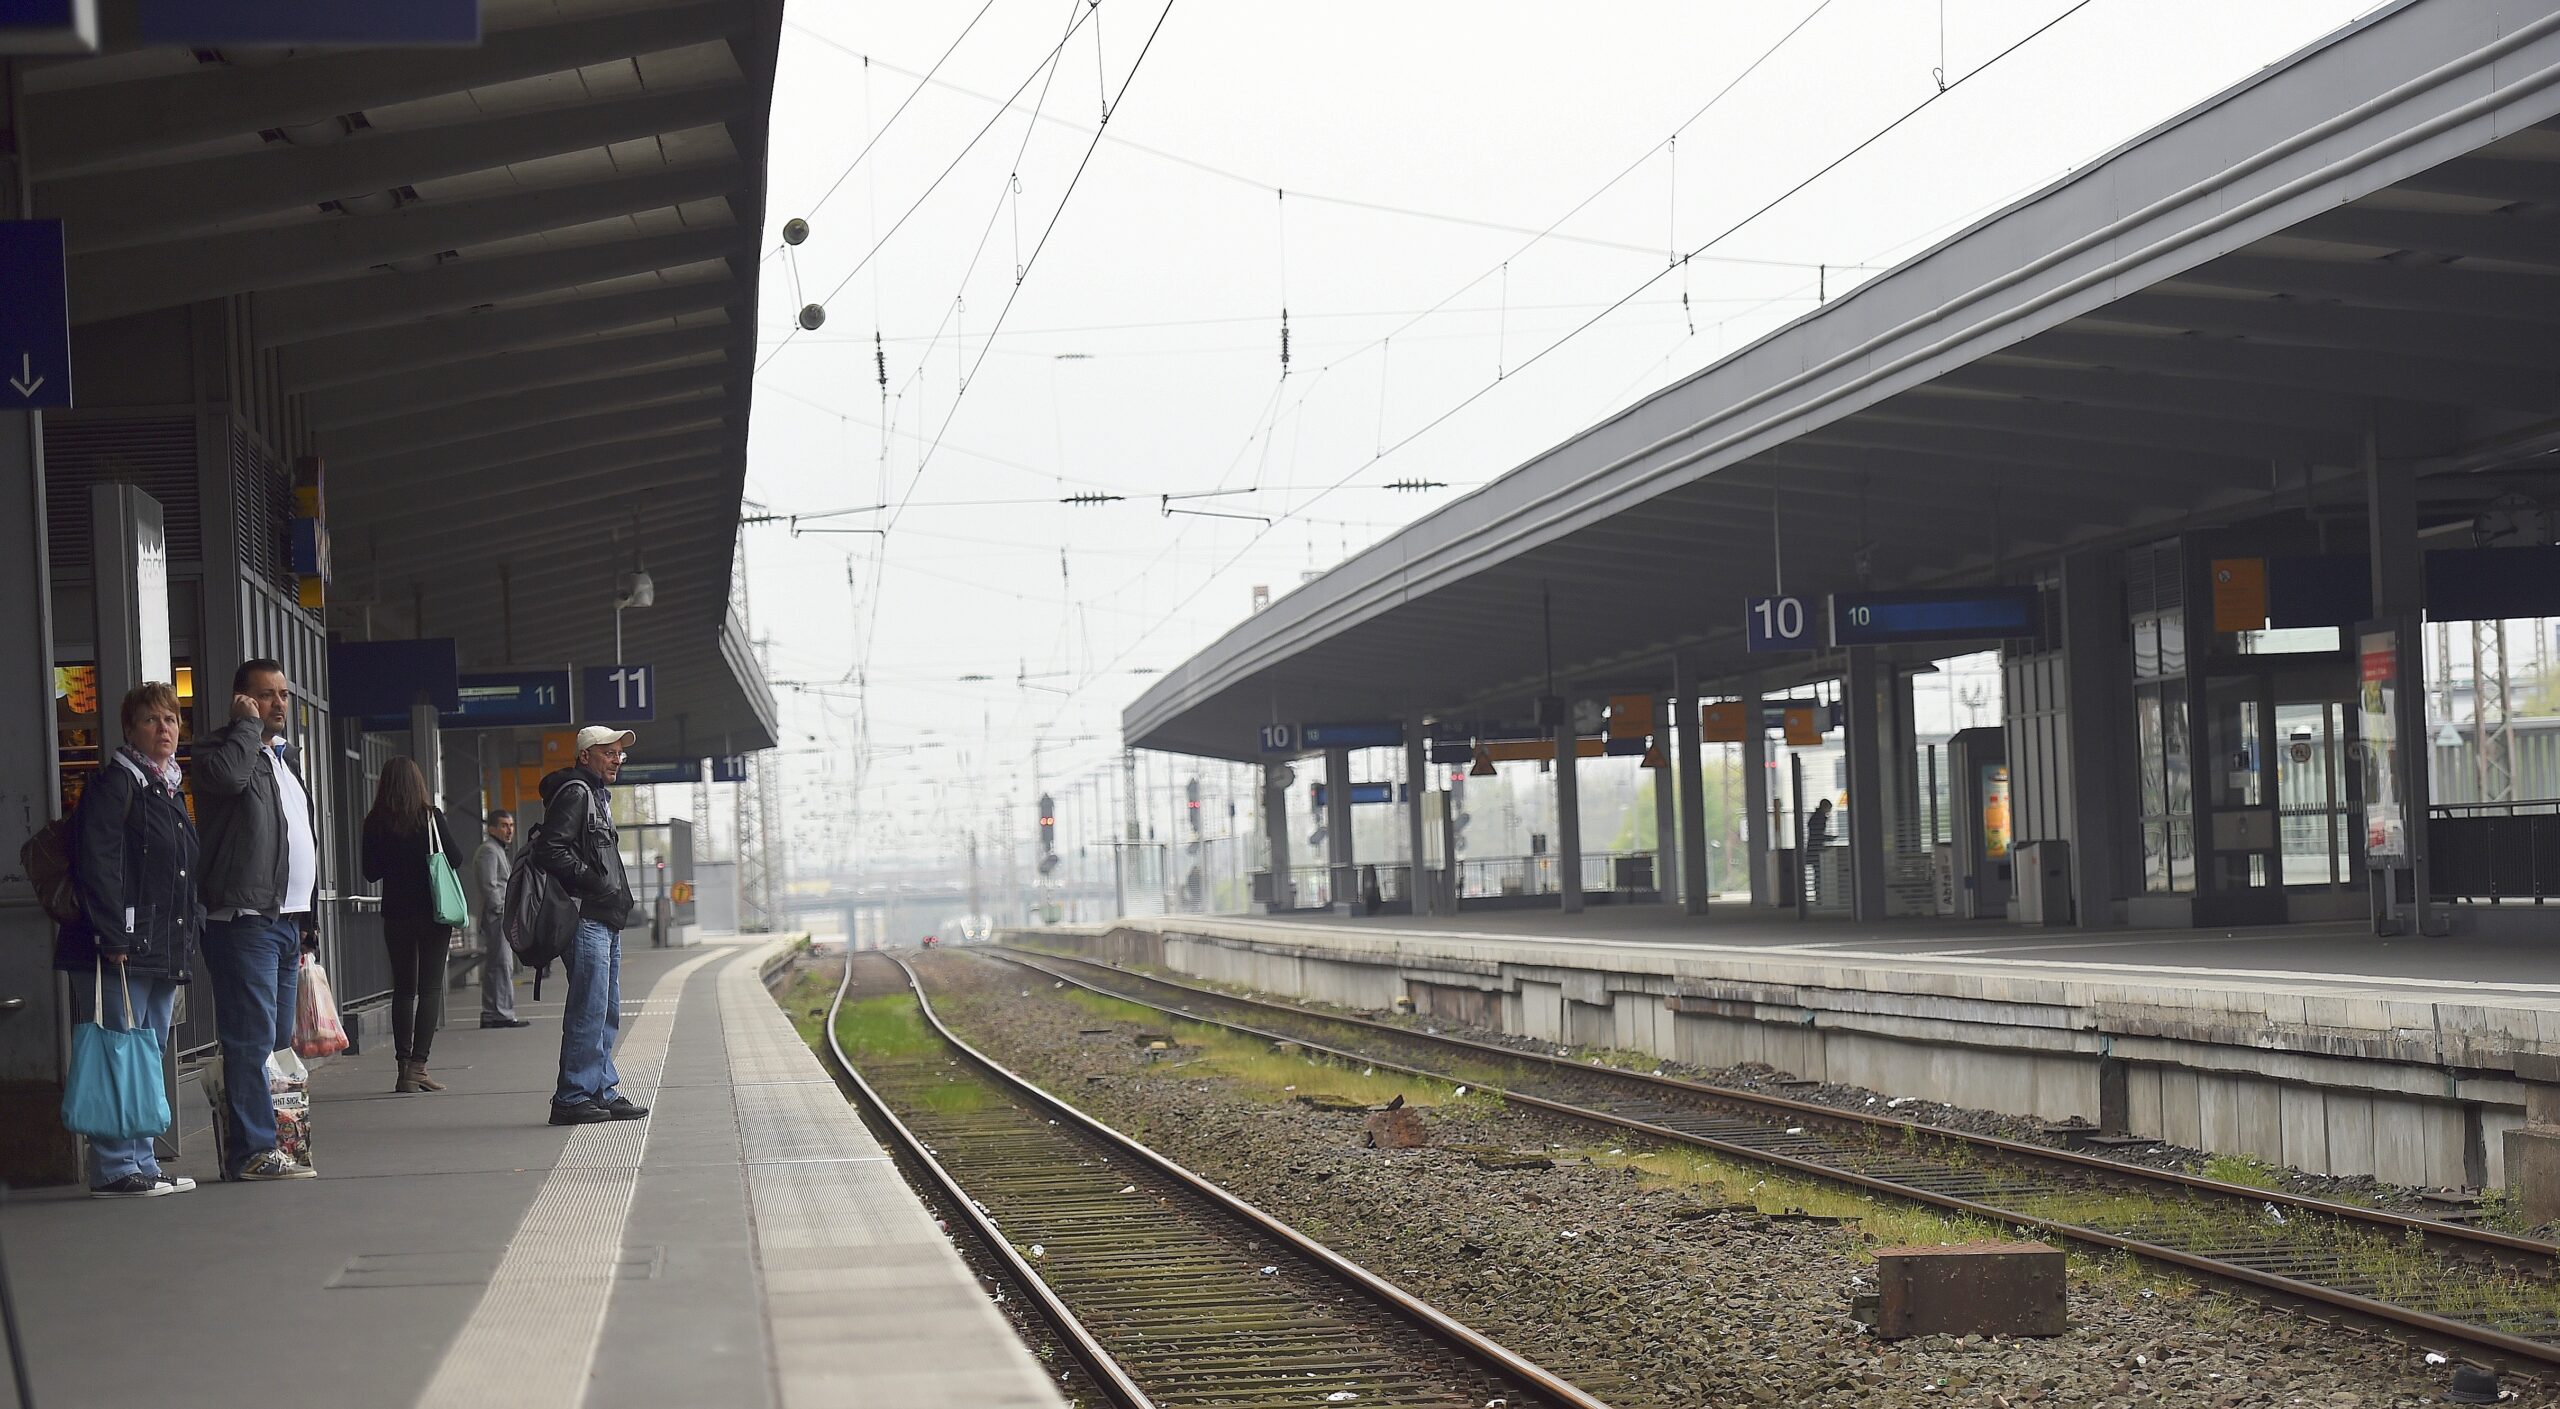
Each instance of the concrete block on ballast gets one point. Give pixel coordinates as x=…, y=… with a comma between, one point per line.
x=1970, y=1289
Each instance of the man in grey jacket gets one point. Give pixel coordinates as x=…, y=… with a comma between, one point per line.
x=259, y=868
x=490, y=867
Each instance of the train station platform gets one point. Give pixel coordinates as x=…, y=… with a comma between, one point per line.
x=749, y=1244
x=2318, y=1046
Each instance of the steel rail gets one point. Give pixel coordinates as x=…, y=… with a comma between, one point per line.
x=2522, y=1348
x=1430, y=1320
x=1096, y=1362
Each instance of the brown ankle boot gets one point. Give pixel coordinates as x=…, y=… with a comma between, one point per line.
x=409, y=1080
x=418, y=1074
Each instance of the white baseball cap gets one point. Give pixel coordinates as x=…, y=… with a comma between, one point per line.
x=595, y=734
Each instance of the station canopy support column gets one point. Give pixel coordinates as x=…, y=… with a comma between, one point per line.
x=1668, y=872
x=1419, y=887
x=2399, y=610
x=1868, y=736
x=1694, y=882
x=1339, y=857
x=2097, y=660
x=1275, y=831
x=1755, y=794
x=1568, y=810
x=38, y=1151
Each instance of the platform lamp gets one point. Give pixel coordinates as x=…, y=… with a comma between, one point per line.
x=632, y=589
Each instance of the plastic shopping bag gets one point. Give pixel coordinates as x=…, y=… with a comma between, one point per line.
x=115, y=1090
x=289, y=1084
x=317, y=1032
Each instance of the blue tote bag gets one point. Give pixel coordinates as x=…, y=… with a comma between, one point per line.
x=115, y=1092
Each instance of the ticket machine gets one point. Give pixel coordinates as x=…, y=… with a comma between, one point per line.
x=1979, y=792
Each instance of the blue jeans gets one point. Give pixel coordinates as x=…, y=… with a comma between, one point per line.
x=252, y=962
x=153, y=996
x=591, y=1016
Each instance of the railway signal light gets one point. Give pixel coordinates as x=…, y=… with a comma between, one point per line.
x=1191, y=804
x=1048, y=823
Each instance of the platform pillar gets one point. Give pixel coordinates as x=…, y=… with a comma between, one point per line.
x=2102, y=806
x=1695, y=883
x=1568, y=767
x=1339, y=859
x=1668, y=874
x=1419, y=887
x=2399, y=609
x=34, y=1148
x=1275, y=832
x=1868, y=736
x=1755, y=795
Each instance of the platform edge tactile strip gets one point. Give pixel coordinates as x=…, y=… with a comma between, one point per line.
x=866, y=1300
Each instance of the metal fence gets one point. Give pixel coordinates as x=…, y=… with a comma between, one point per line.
x=2495, y=852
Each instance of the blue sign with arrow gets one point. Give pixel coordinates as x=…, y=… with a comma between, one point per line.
x=35, y=317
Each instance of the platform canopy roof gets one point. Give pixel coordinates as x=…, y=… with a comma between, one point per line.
x=2201, y=327
x=508, y=289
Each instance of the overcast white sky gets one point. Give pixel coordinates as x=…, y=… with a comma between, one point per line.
x=1422, y=146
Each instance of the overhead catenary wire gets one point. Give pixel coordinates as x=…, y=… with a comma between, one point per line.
x=1724, y=233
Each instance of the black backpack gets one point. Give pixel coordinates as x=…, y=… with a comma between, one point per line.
x=541, y=918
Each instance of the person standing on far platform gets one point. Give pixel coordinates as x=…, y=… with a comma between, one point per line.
x=404, y=828
x=490, y=867
x=133, y=865
x=261, y=862
x=1817, y=825
x=576, y=846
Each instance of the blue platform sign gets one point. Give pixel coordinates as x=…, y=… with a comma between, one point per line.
x=729, y=768
x=1889, y=618
x=1281, y=739
x=1386, y=735
x=687, y=770
x=620, y=694
x=500, y=699
x=1365, y=794
x=1779, y=624
x=48, y=26
x=35, y=317
x=372, y=24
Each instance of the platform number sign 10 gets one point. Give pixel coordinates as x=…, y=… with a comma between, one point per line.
x=1280, y=738
x=1779, y=624
x=621, y=694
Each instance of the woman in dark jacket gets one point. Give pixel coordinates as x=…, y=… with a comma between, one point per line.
x=133, y=863
x=398, y=834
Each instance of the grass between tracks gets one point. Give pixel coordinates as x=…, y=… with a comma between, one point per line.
x=1261, y=1070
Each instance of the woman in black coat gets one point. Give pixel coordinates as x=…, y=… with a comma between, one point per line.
x=399, y=833
x=133, y=864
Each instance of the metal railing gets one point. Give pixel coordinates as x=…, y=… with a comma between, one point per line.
x=2494, y=852
x=1495, y=876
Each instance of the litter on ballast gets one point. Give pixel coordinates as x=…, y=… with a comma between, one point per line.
x=1270, y=1271
x=1128, y=1188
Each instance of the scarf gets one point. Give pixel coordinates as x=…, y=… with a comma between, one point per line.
x=167, y=773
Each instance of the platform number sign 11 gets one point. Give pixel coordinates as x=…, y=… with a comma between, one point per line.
x=1779, y=624
x=621, y=694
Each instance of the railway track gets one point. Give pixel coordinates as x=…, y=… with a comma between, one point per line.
x=1167, y=1289
x=2488, y=1295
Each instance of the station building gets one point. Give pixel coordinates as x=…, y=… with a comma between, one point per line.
x=2196, y=447
x=402, y=358
x=2201, y=438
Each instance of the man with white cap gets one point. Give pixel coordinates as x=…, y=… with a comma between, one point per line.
x=576, y=845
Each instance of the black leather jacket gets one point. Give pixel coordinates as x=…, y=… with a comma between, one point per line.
x=133, y=862
x=577, y=846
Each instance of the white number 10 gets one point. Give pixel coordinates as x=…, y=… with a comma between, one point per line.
x=1781, y=618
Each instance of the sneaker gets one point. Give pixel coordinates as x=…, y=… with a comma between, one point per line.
x=624, y=1108
x=273, y=1164
x=506, y=1022
x=583, y=1113
x=174, y=1183
x=132, y=1186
